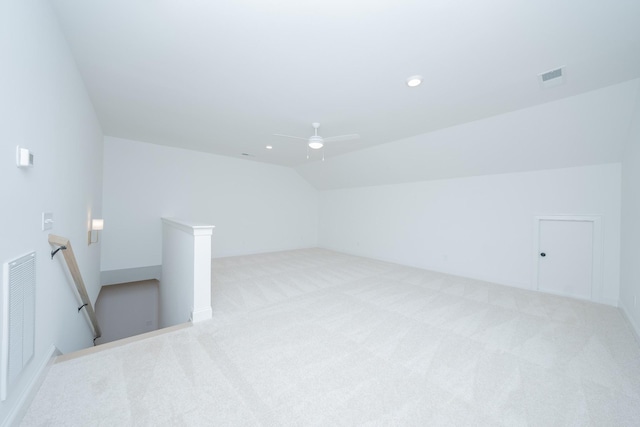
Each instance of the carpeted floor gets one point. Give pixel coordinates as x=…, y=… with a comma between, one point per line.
x=318, y=338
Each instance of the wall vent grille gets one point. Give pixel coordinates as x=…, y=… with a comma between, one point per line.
x=552, y=78
x=18, y=319
x=554, y=74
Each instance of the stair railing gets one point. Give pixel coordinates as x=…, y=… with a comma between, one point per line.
x=64, y=245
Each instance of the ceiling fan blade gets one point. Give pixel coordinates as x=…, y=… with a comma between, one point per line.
x=342, y=137
x=290, y=136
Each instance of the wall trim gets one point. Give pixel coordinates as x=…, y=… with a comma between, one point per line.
x=464, y=275
x=524, y=286
x=234, y=253
x=201, y=314
x=608, y=301
x=635, y=328
x=19, y=410
x=126, y=275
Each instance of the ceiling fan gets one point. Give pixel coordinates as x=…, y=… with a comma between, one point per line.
x=316, y=142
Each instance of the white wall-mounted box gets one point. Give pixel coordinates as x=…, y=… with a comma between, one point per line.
x=24, y=158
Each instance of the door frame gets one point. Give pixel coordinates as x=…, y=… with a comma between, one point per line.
x=597, y=247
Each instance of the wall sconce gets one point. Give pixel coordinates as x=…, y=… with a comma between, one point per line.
x=96, y=225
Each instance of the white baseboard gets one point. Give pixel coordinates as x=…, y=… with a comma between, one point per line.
x=634, y=327
x=468, y=275
x=23, y=401
x=126, y=275
x=228, y=254
x=608, y=301
x=463, y=274
x=201, y=314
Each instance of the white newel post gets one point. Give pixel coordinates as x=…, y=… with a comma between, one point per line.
x=185, y=288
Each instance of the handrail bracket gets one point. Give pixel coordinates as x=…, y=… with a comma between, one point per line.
x=53, y=253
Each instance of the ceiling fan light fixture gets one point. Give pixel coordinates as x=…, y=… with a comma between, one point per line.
x=316, y=141
x=414, y=81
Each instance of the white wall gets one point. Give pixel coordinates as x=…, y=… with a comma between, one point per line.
x=630, y=257
x=478, y=227
x=45, y=108
x=255, y=207
x=127, y=310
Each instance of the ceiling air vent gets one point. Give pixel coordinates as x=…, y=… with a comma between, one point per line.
x=552, y=78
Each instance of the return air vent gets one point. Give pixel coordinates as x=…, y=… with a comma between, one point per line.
x=18, y=319
x=552, y=78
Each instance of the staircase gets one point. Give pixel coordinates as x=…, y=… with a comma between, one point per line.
x=127, y=309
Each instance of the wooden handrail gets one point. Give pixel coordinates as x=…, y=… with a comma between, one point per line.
x=69, y=257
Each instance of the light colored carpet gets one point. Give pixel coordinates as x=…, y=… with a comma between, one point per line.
x=318, y=338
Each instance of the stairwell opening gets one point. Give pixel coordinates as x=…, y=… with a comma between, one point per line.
x=127, y=309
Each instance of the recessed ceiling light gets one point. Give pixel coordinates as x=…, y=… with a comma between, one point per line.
x=268, y=147
x=414, y=81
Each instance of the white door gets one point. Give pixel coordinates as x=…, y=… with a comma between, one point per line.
x=565, y=263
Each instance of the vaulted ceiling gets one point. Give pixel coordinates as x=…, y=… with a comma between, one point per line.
x=224, y=76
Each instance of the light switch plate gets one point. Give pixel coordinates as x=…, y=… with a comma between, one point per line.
x=47, y=221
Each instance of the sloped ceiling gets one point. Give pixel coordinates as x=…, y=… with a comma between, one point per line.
x=586, y=129
x=223, y=76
